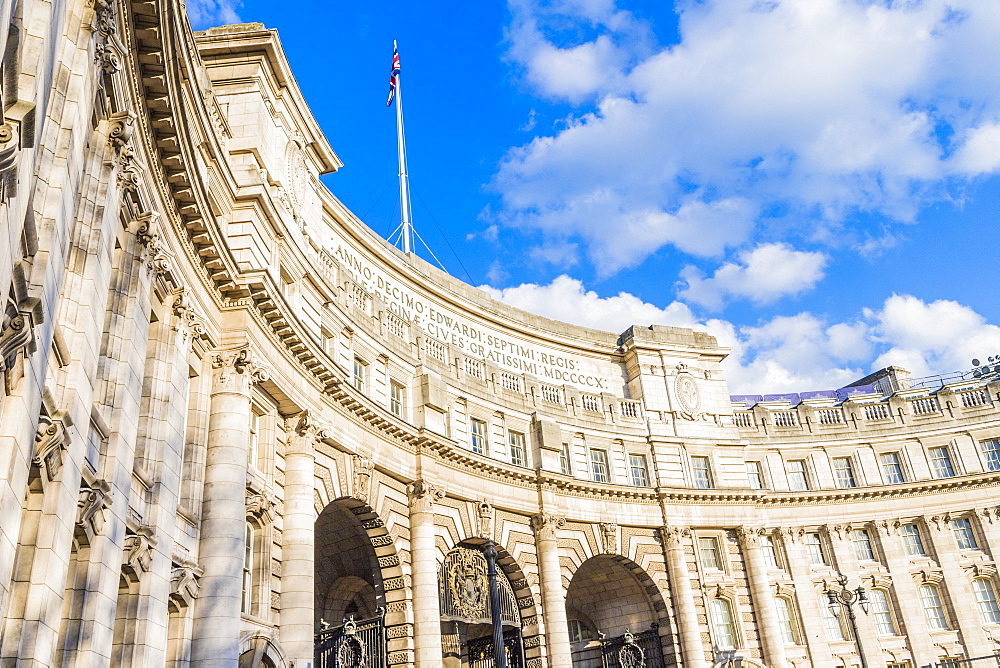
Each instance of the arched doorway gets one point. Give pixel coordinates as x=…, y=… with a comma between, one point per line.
x=466, y=611
x=612, y=619
x=349, y=588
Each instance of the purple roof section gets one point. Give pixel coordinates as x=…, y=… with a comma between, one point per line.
x=795, y=398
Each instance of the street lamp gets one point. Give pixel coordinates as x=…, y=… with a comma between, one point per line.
x=846, y=598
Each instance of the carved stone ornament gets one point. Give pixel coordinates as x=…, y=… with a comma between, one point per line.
x=17, y=333
x=422, y=495
x=750, y=536
x=261, y=507
x=688, y=395
x=189, y=322
x=139, y=550
x=147, y=233
x=106, y=57
x=184, y=585
x=609, y=537
x=363, y=469
x=91, y=505
x=673, y=536
x=120, y=127
x=467, y=583
x=546, y=525
x=484, y=520
x=128, y=170
x=631, y=655
x=51, y=441
x=236, y=370
x=296, y=174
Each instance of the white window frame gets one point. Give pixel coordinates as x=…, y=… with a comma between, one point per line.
x=600, y=468
x=755, y=475
x=864, y=549
x=397, y=399
x=881, y=611
x=986, y=600
x=479, y=441
x=897, y=464
x=793, y=475
x=816, y=551
x=990, y=448
x=638, y=469
x=565, y=460
x=965, y=533
x=909, y=544
x=723, y=620
x=942, y=465
x=701, y=476
x=934, y=613
x=360, y=375
x=787, y=622
x=517, y=448
x=710, y=554
x=843, y=472
x=769, y=548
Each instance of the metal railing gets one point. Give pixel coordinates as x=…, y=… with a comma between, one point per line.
x=976, y=662
x=353, y=645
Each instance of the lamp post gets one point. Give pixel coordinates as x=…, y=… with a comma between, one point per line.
x=499, y=655
x=846, y=598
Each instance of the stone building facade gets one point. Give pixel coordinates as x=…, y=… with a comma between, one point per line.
x=233, y=417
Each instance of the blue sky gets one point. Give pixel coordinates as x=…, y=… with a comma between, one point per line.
x=813, y=181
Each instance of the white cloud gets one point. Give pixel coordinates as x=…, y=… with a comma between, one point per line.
x=208, y=13
x=818, y=108
x=761, y=275
x=789, y=353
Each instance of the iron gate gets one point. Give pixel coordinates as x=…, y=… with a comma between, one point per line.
x=353, y=645
x=481, y=650
x=642, y=650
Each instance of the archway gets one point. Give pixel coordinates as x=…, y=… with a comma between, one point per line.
x=611, y=615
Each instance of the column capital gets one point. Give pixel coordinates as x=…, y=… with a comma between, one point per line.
x=302, y=432
x=750, y=535
x=423, y=494
x=236, y=370
x=673, y=535
x=546, y=525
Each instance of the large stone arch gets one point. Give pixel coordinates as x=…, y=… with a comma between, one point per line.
x=609, y=595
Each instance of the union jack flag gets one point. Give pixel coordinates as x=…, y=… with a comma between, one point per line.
x=394, y=76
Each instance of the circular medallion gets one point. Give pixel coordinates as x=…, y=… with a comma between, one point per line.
x=688, y=393
x=296, y=172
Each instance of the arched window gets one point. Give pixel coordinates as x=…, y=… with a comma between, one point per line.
x=832, y=621
x=248, y=569
x=722, y=624
x=786, y=621
x=933, y=610
x=881, y=612
x=986, y=600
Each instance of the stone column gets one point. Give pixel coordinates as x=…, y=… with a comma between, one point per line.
x=692, y=648
x=771, y=641
x=217, y=615
x=559, y=653
x=298, y=544
x=423, y=568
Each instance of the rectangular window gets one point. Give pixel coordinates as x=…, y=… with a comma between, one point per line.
x=253, y=452
x=754, y=478
x=599, y=466
x=986, y=600
x=814, y=548
x=638, y=470
x=991, y=452
x=770, y=551
x=702, y=473
x=786, y=622
x=565, y=465
x=708, y=549
x=844, y=472
x=880, y=611
x=964, y=535
x=797, y=480
x=862, y=545
x=478, y=436
x=831, y=619
x=397, y=399
x=516, y=441
x=941, y=462
x=892, y=470
x=360, y=375
x=912, y=541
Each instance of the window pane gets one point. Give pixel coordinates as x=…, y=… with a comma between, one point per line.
x=986, y=600
x=397, y=399
x=862, y=545
x=964, y=535
x=360, y=371
x=638, y=471
x=814, y=548
x=478, y=440
x=991, y=452
x=754, y=478
x=709, y=549
x=702, y=475
x=565, y=467
x=722, y=624
x=516, y=441
x=911, y=539
x=879, y=607
x=845, y=472
x=831, y=619
x=785, y=622
x=770, y=552
x=599, y=465
x=892, y=470
x=797, y=480
x=941, y=463
x=933, y=610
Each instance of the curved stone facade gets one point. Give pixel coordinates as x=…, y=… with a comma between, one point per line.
x=232, y=416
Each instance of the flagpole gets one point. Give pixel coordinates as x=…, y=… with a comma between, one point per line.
x=404, y=179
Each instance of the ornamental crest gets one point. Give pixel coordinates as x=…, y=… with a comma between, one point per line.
x=467, y=584
x=688, y=395
x=352, y=652
x=631, y=655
